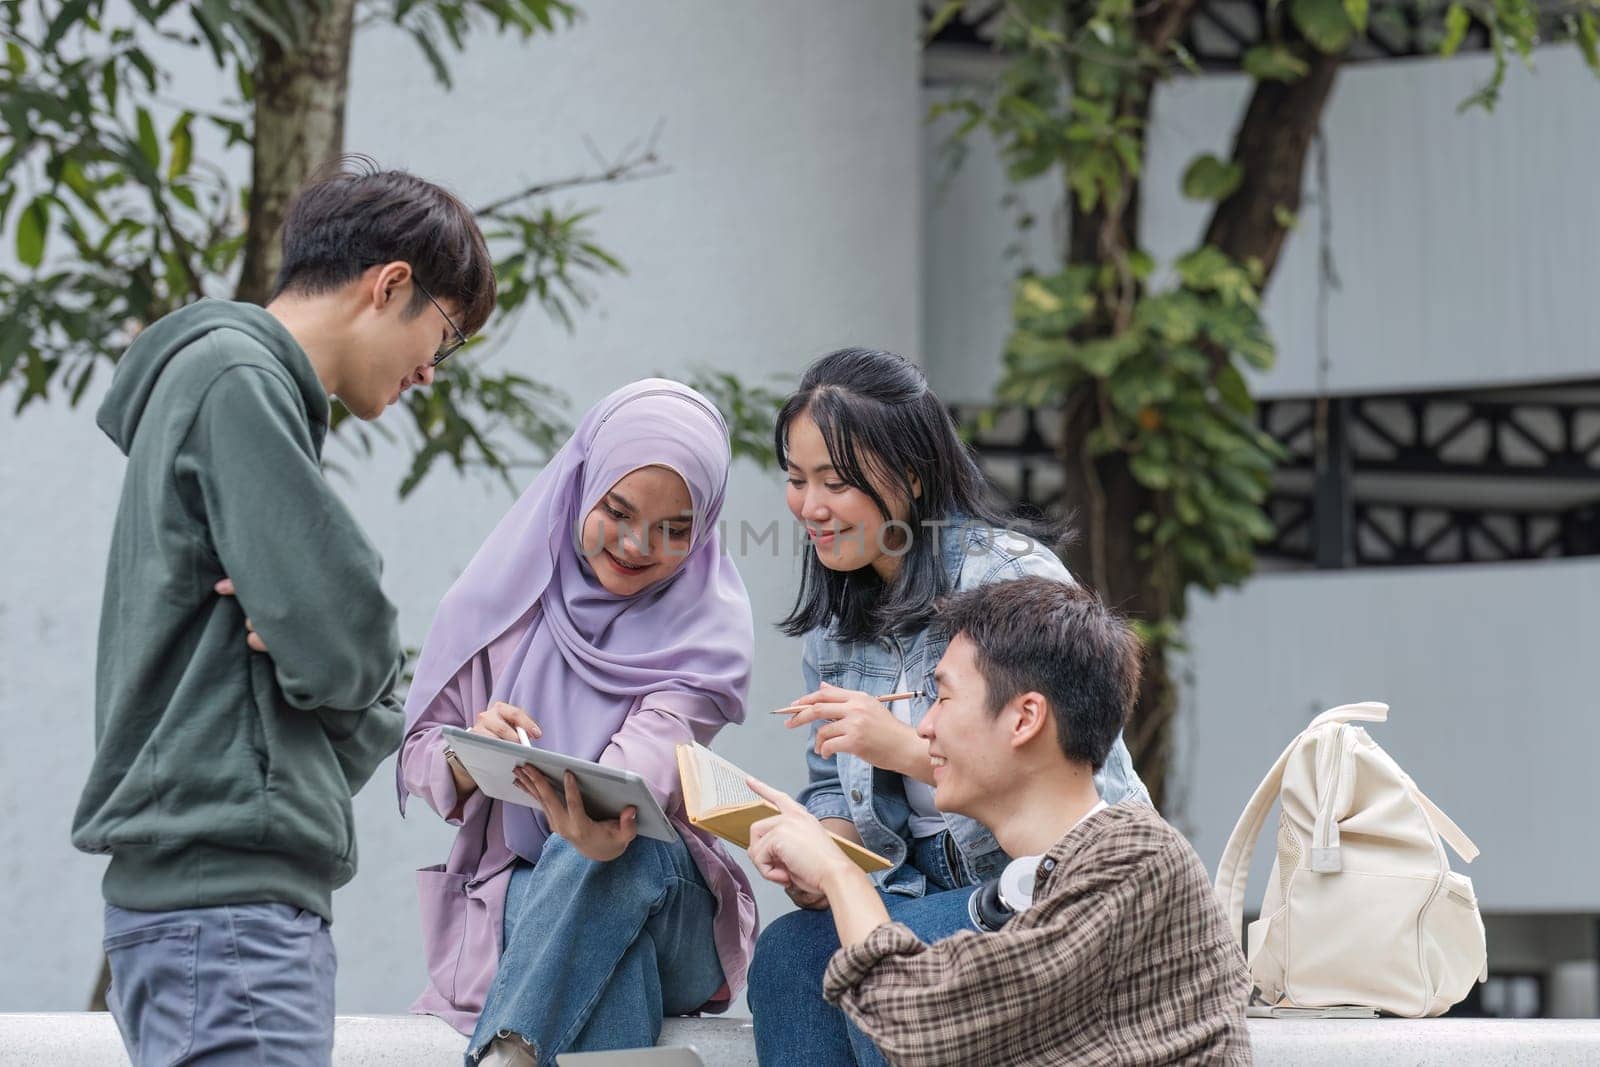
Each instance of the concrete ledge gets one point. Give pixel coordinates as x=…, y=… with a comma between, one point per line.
x=50, y=1040
x=1442, y=1042
x=57, y=1039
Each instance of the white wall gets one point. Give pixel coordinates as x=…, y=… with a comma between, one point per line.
x=1465, y=243
x=1490, y=675
x=787, y=226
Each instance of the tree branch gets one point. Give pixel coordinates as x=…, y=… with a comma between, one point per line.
x=1162, y=23
x=629, y=167
x=1271, y=146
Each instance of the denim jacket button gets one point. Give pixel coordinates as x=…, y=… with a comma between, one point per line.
x=855, y=796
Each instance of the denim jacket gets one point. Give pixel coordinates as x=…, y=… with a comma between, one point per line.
x=847, y=787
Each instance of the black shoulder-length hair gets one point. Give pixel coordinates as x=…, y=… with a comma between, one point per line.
x=877, y=414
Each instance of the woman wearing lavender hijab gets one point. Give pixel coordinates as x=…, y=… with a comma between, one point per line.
x=603, y=618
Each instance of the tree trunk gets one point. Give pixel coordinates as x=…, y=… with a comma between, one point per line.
x=1272, y=142
x=1105, y=554
x=1271, y=145
x=299, y=126
x=1105, y=495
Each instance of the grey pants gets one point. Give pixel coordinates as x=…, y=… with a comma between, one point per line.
x=235, y=984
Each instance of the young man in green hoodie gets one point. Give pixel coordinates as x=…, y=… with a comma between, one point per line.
x=247, y=651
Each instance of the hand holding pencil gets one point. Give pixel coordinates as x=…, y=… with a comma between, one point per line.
x=862, y=725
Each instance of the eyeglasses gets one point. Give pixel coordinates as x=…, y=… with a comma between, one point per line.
x=449, y=348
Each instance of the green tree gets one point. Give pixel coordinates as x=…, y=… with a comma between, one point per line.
x=1162, y=458
x=117, y=214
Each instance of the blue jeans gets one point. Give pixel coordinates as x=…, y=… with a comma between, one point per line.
x=793, y=1024
x=595, y=954
x=233, y=984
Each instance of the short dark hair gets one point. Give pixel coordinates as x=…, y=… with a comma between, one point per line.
x=882, y=422
x=1041, y=635
x=353, y=216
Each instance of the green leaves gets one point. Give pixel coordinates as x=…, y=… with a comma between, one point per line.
x=1356, y=11
x=181, y=142
x=1149, y=472
x=1585, y=29
x=71, y=13
x=749, y=411
x=148, y=144
x=1326, y=24
x=549, y=258
x=464, y=417
x=115, y=221
x=1173, y=401
x=1101, y=356
x=31, y=229
x=1153, y=372
x=1207, y=269
x=1456, y=23
x=1064, y=101
x=1513, y=26
x=941, y=18
x=439, y=27
x=1209, y=178
x=106, y=238
x=1232, y=390
x=1274, y=62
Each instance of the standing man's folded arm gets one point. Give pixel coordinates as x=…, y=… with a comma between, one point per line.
x=363, y=739
x=304, y=574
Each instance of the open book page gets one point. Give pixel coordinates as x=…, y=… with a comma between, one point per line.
x=718, y=799
x=722, y=785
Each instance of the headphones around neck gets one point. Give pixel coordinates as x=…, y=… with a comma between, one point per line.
x=998, y=899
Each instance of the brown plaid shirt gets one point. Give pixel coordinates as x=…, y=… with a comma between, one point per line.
x=1124, y=958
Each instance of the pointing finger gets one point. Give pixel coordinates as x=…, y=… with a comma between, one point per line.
x=776, y=797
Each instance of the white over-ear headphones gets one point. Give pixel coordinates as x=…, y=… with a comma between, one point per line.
x=998, y=899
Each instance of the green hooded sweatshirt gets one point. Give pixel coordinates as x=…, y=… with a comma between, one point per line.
x=223, y=775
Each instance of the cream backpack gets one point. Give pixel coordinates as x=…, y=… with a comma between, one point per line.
x=1362, y=907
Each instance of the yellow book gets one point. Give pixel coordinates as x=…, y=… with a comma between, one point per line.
x=716, y=798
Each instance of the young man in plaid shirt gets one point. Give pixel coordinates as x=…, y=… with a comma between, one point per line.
x=1123, y=955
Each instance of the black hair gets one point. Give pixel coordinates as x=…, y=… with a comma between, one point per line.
x=1039, y=635
x=354, y=215
x=884, y=426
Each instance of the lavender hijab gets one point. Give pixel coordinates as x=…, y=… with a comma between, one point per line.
x=589, y=655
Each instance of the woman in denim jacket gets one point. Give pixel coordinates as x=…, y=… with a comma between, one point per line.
x=897, y=514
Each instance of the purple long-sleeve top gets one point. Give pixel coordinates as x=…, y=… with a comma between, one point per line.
x=463, y=900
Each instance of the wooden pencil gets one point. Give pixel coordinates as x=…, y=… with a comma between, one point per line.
x=890, y=698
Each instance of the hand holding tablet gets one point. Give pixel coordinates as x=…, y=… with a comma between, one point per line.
x=606, y=791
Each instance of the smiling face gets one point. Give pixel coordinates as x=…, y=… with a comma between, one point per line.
x=844, y=525
x=392, y=342
x=971, y=748
x=640, y=531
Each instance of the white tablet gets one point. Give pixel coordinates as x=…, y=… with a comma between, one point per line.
x=606, y=791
